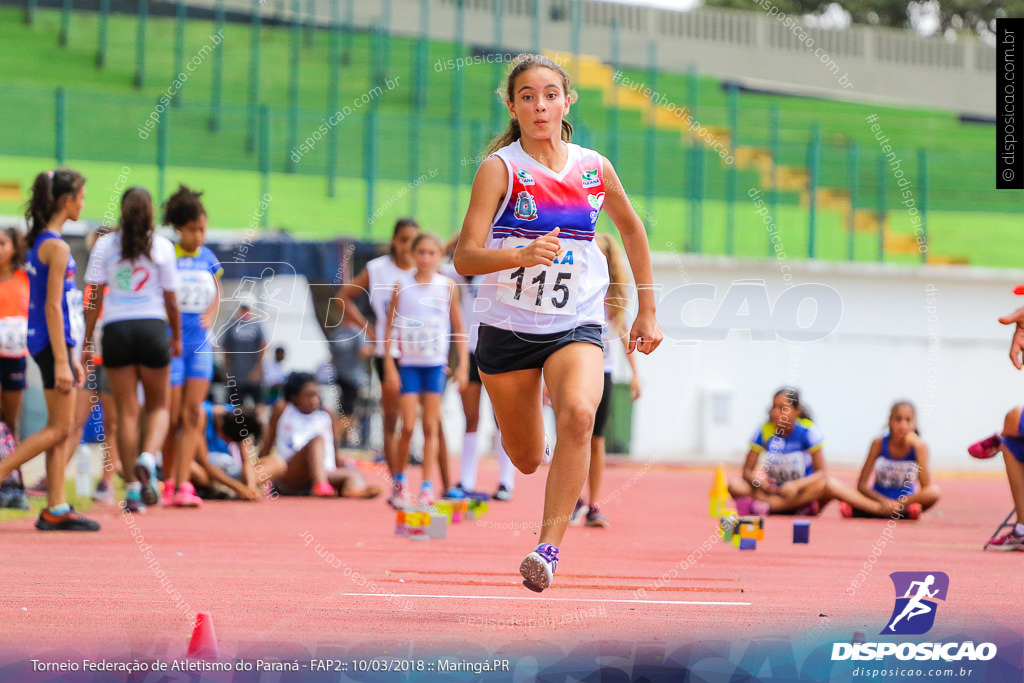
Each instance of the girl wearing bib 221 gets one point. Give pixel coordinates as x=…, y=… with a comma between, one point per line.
x=191, y=372
x=529, y=230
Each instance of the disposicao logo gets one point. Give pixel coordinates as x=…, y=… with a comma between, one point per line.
x=917, y=596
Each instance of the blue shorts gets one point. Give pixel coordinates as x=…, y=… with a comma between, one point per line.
x=12, y=374
x=422, y=380
x=196, y=362
x=1015, y=444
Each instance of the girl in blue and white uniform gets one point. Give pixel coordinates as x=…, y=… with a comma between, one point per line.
x=191, y=373
x=54, y=323
x=898, y=463
x=784, y=472
x=529, y=230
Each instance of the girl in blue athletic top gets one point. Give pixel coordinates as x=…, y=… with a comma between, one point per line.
x=898, y=461
x=54, y=321
x=784, y=472
x=191, y=373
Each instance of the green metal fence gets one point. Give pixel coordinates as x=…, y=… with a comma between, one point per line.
x=335, y=102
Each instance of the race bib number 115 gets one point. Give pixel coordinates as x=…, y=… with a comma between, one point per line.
x=541, y=289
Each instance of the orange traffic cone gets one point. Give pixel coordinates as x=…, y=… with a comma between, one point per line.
x=204, y=639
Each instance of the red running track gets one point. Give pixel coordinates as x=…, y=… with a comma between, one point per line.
x=250, y=567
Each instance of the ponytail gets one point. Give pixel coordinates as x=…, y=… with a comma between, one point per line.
x=48, y=190
x=136, y=223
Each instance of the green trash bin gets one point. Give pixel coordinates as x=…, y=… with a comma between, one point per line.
x=619, y=432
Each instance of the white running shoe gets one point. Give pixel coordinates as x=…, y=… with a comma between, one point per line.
x=538, y=568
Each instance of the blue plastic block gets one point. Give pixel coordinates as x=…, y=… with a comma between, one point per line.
x=801, y=531
x=748, y=544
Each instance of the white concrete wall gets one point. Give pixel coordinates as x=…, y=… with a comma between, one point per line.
x=947, y=354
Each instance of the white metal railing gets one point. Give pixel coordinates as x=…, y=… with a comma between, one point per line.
x=741, y=27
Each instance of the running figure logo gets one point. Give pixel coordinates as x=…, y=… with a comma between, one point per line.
x=916, y=596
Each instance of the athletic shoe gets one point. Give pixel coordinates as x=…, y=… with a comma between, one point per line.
x=986, y=448
x=133, y=503
x=502, y=494
x=810, y=510
x=104, y=493
x=578, y=512
x=322, y=489
x=846, y=510
x=40, y=490
x=455, y=493
x=13, y=499
x=186, y=496
x=145, y=472
x=1010, y=541
x=743, y=505
x=399, y=498
x=595, y=518
x=427, y=496
x=167, y=499
x=760, y=508
x=69, y=521
x=538, y=568
x=914, y=511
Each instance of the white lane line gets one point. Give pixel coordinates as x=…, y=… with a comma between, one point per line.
x=509, y=597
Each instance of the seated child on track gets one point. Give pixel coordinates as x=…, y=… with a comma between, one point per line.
x=303, y=432
x=223, y=466
x=791, y=480
x=899, y=462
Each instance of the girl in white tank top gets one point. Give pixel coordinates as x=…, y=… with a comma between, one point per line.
x=423, y=319
x=377, y=281
x=529, y=230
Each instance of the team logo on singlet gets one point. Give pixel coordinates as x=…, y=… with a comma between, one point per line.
x=596, y=200
x=524, y=176
x=591, y=179
x=526, y=207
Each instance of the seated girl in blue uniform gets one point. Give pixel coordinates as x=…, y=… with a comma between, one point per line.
x=784, y=472
x=902, y=486
x=223, y=466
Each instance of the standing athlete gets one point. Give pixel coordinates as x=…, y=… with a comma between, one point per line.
x=530, y=230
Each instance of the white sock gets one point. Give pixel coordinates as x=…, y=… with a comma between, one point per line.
x=1019, y=529
x=470, y=460
x=506, y=470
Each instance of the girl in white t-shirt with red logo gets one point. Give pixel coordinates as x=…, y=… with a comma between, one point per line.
x=140, y=271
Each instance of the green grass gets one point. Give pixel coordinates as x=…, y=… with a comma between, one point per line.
x=105, y=112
